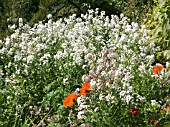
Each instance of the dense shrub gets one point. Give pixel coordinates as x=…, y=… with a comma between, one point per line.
x=159, y=24
x=41, y=65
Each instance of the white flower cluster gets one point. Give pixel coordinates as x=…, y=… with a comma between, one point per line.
x=81, y=39
x=82, y=107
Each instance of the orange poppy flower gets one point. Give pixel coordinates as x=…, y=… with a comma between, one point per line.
x=85, y=88
x=70, y=99
x=157, y=68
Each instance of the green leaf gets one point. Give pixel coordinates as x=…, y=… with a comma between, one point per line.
x=156, y=16
x=158, y=30
x=159, y=54
x=166, y=53
x=151, y=40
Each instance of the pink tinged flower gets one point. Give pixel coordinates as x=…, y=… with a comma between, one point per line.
x=35, y=125
x=78, y=108
x=43, y=124
x=125, y=71
x=156, y=111
x=48, y=119
x=94, y=79
x=166, y=79
x=70, y=113
x=59, y=118
x=89, y=57
x=97, y=72
x=72, y=125
x=85, y=125
x=114, y=69
x=111, y=63
x=110, y=51
x=94, y=56
x=39, y=109
x=31, y=112
x=37, y=112
x=47, y=108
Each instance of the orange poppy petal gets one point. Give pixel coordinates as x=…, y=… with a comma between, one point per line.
x=157, y=69
x=83, y=92
x=85, y=88
x=86, y=85
x=70, y=99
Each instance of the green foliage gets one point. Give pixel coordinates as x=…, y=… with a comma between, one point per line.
x=159, y=24
x=11, y=10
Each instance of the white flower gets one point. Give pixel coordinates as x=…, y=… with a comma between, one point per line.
x=123, y=38
x=142, y=68
x=18, y=71
x=141, y=98
x=167, y=64
x=45, y=58
x=122, y=93
x=84, y=66
x=7, y=43
x=77, y=90
x=135, y=25
x=17, y=57
x=65, y=80
x=1, y=73
x=109, y=97
x=3, y=50
x=80, y=100
x=30, y=58
x=92, y=83
x=80, y=115
x=12, y=26
x=85, y=78
x=58, y=55
x=150, y=57
x=101, y=96
x=103, y=73
x=20, y=22
x=153, y=102
x=107, y=84
x=9, y=97
x=49, y=16
x=130, y=89
x=121, y=15
x=96, y=109
x=117, y=73
x=128, y=98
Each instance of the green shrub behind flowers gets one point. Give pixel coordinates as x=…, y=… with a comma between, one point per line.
x=158, y=21
x=43, y=64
